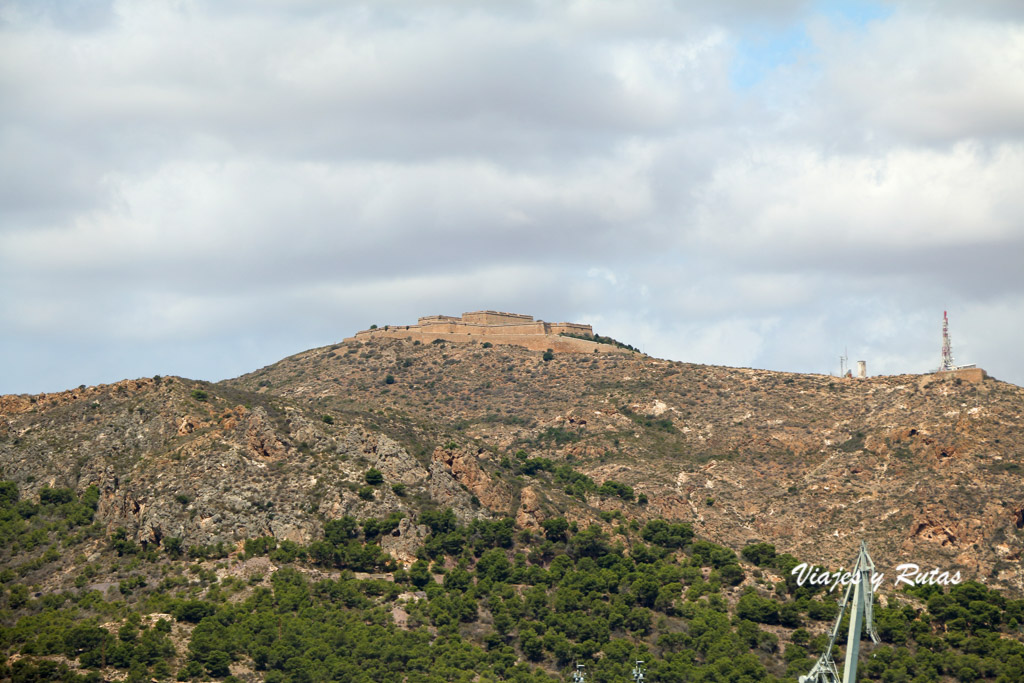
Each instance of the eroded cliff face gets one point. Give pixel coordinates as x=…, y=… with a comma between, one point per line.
x=167, y=465
x=927, y=469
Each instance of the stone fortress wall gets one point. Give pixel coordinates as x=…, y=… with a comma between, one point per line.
x=496, y=327
x=974, y=375
x=495, y=318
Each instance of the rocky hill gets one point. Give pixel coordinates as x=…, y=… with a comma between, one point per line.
x=926, y=469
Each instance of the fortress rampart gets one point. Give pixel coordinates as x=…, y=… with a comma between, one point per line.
x=495, y=318
x=974, y=375
x=496, y=327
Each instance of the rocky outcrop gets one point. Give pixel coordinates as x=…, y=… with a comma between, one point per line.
x=528, y=513
x=403, y=542
x=384, y=454
x=445, y=489
x=464, y=467
x=261, y=438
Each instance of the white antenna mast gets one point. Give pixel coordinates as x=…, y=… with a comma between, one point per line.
x=947, y=346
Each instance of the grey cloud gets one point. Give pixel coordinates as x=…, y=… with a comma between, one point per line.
x=67, y=15
x=925, y=78
x=205, y=189
x=990, y=9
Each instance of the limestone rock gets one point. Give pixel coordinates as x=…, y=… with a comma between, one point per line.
x=528, y=514
x=261, y=438
x=464, y=467
x=403, y=542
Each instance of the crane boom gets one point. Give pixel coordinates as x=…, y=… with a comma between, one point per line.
x=859, y=592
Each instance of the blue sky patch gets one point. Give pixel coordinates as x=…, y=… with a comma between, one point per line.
x=762, y=49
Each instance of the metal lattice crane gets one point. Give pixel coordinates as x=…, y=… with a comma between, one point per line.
x=861, y=615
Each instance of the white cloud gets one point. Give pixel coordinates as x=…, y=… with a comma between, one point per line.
x=174, y=172
x=925, y=78
x=781, y=198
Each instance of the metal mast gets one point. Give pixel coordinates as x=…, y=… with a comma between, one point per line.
x=862, y=614
x=638, y=672
x=947, y=346
x=578, y=676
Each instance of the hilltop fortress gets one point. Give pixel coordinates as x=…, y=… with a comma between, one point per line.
x=497, y=328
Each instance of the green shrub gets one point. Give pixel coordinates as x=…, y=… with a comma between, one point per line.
x=193, y=611
x=263, y=545
x=534, y=465
x=760, y=554
x=732, y=574
x=123, y=545
x=660, y=532
x=614, y=488
x=48, y=496
x=755, y=608
x=555, y=528
x=373, y=528
x=9, y=494
x=173, y=546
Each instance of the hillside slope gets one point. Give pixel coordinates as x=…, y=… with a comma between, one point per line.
x=925, y=468
x=190, y=512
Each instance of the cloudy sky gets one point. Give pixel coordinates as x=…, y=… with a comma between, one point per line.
x=203, y=188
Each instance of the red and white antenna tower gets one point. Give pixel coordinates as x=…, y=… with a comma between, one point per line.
x=947, y=346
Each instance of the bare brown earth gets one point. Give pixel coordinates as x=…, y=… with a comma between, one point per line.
x=926, y=468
